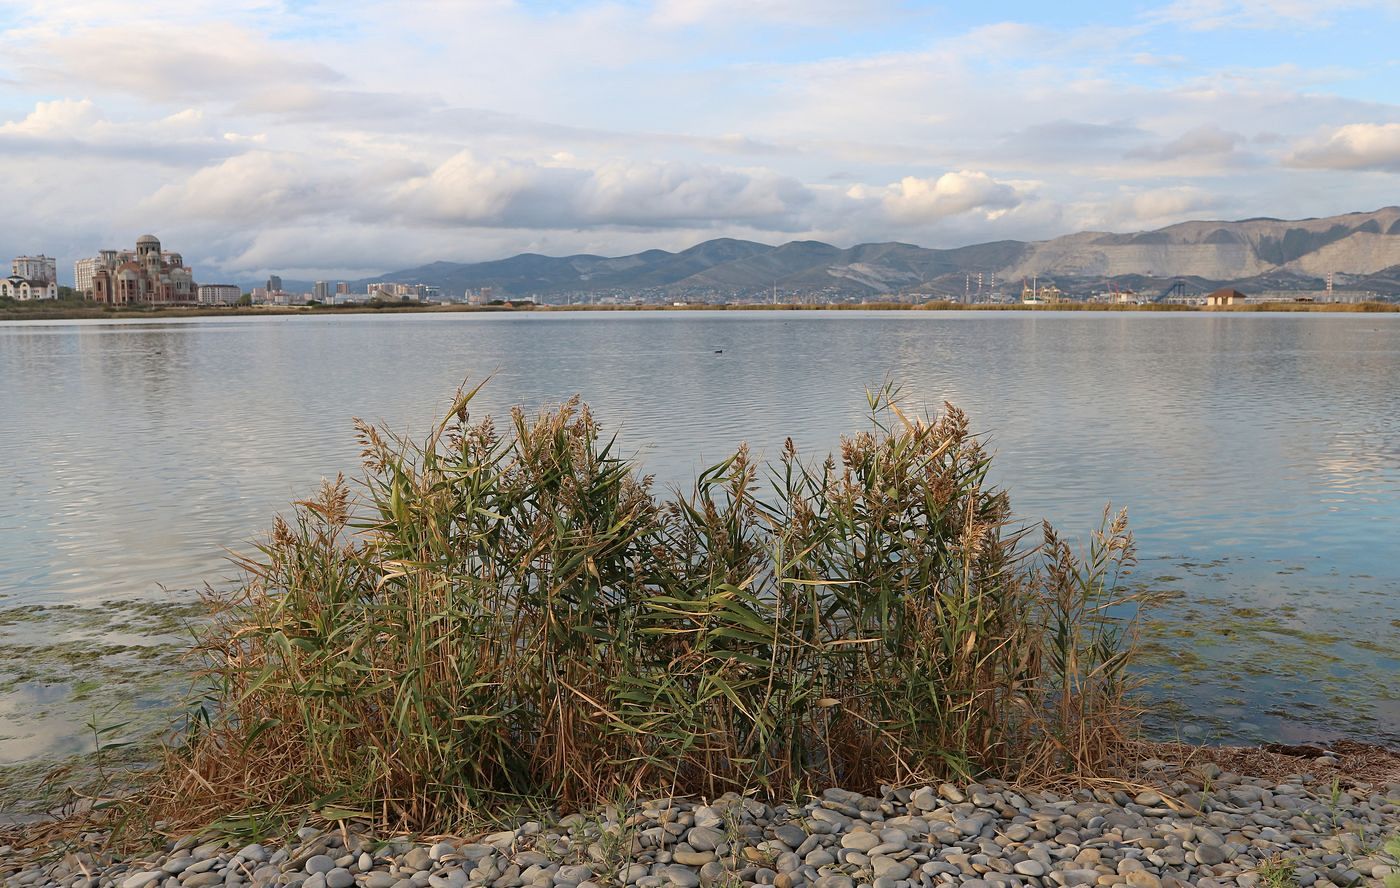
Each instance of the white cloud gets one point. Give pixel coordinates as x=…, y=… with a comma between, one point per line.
x=1209, y=15
x=259, y=187
x=1148, y=208
x=466, y=191
x=1202, y=141
x=162, y=62
x=732, y=13
x=670, y=192
x=564, y=192
x=259, y=129
x=1356, y=146
x=921, y=200
x=63, y=117
x=81, y=131
x=1200, y=151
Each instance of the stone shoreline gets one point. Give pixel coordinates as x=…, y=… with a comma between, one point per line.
x=1199, y=827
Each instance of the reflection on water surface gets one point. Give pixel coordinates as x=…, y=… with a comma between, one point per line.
x=1259, y=456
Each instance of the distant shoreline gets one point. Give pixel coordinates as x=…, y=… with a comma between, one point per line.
x=94, y=313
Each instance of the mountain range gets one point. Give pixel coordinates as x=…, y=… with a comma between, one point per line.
x=1363, y=249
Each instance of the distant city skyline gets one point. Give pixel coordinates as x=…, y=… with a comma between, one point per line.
x=326, y=141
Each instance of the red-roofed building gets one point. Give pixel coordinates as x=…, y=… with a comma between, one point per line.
x=1227, y=296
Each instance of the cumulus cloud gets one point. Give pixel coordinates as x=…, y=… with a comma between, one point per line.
x=564, y=192
x=556, y=199
x=1137, y=209
x=669, y=192
x=63, y=117
x=920, y=200
x=258, y=187
x=1356, y=146
x=466, y=191
x=80, y=130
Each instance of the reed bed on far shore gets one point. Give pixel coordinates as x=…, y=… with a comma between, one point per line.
x=513, y=615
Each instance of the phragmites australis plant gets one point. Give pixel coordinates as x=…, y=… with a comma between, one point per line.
x=501, y=615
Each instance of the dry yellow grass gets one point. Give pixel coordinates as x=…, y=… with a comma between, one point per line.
x=501, y=617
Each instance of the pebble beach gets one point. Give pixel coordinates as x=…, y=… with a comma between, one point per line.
x=1199, y=826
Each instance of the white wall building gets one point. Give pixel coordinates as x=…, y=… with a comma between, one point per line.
x=31, y=277
x=16, y=287
x=219, y=294
x=84, y=270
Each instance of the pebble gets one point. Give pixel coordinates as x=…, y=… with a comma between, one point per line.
x=983, y=835
x=860, y=841
x=340, y=877
x=177, y=865
x=320, y=863
x=1144, y=879
x=1210, y=855
x=889, y=868
x=693, y=858
x=441, y=850
x=790, y=835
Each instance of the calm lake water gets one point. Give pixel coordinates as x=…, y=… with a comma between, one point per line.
x=1258, y=455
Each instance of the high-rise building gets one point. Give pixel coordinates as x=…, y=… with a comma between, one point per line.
x=145, y=275
x=36, y=268
x=274, y=284
x=83, y=272
x=31, y=277
x=321, y=291
x=342, y=289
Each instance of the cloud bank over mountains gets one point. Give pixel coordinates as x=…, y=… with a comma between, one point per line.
x=334, y=139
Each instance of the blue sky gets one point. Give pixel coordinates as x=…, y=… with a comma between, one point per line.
x=337, y=139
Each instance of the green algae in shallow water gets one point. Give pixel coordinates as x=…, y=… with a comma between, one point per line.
x=1246, y=648
x=1385, y=650
x=112, y=663
x=83, y=689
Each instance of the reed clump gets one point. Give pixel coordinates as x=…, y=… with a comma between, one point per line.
x=506, y=615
